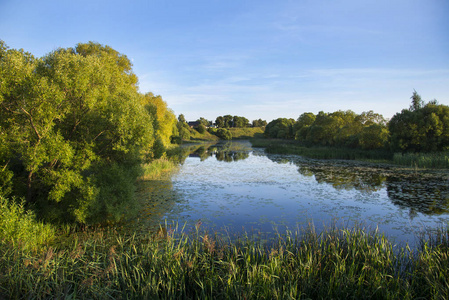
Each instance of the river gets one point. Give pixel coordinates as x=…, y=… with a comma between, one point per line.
x=233, y=189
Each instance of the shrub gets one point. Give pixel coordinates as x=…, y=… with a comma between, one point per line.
x=20, y=229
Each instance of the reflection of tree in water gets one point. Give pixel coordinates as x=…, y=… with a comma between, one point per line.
x=344, y=177
x=230, y=156
x=339, y=174
x=228, y=152
x=425, y=194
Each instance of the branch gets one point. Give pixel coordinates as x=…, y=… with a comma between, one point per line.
x=31, y=123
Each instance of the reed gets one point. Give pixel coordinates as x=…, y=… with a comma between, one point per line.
x=337, y=263
x=437, y=160
x=20, y=229
x=328, y=152
x=157, y=168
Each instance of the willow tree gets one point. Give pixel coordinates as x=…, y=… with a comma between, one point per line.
x=164, y=122
x=73, y=130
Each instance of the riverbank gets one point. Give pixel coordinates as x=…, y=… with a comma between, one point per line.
x=439, y=160
x=336, y=263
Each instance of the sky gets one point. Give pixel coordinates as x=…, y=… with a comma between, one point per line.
x=256, y=59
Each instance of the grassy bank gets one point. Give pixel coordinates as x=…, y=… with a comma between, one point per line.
x=439, y=160
x=246, y=133
x=290, y=147
x=157, y=168
x=337, y=263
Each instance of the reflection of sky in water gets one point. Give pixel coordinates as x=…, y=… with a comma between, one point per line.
x=257, y=194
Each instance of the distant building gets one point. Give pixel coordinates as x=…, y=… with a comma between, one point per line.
x=193, y=124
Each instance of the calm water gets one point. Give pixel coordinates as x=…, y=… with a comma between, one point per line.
x=239, y=189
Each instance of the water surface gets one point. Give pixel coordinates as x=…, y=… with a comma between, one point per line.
x=239, y=189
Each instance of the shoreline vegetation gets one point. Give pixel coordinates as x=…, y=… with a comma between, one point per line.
x=433, y=160
x=338, y=263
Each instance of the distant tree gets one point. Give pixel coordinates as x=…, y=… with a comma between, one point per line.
x=204, y=122
x=228, y=121
x=224, y=134
x=201, y=128
x=417, y=102
x=374, y=136
x=422, y=128
x=220, y=122
x=259, y=123
x=300, y=128
x=280, y=128
x=181, y=118
x=240, y=122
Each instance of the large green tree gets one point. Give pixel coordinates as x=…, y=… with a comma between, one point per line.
x=73, y=131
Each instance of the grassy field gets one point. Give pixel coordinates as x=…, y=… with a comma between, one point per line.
x=206, y=136
x=334, y=264
x=247, y=132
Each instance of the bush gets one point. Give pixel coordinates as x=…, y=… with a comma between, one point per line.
x=20, y=229
x=224, y=134
x=201, y=129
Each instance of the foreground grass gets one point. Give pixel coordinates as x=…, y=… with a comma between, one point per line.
x=337, y=263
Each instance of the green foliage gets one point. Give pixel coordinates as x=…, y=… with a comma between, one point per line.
x=280, y=128
x=246, y=133
x=435, y=160
x=259, y=123
x=341, y=128
x=229, y=121
x=223, y=134
x=164, y=122
x=20, y=229
x=156, y=168
x=374, y=136
x=201, y=128
x=423, y=128
x=74, y=130
x=204, y=122
x=280, y=147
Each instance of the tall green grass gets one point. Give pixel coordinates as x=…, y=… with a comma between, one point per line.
x=437, y=160
x=156, y=168
x=334, y=264
x=20, y=229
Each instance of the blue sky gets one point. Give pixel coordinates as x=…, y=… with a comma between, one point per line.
x=258, y=59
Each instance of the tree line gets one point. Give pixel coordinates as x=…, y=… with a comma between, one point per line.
x=75, y=130
x=220, y=128
x=424, y=127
